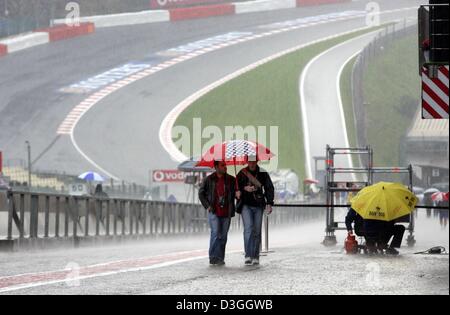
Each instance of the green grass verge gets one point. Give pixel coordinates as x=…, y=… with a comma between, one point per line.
x=392, y=91
x=265, y=96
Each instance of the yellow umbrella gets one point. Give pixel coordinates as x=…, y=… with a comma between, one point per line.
x=384, y=201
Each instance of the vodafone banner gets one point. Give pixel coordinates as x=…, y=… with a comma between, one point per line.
x=169, y=176
x=164, y=4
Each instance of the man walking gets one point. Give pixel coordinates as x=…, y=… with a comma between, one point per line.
x=257, y=193
x=217, y=195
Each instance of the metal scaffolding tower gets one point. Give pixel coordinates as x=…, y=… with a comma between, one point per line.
x=366, y=174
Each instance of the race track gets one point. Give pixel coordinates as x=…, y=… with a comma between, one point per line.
x=120, y=133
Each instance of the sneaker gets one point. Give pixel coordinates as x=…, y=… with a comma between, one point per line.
x=392, y=251
x=213, y=261
x=248, y=261
x=220, y=263
x=372, y=250
x=255, y=261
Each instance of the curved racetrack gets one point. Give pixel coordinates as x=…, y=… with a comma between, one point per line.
x=120, y=133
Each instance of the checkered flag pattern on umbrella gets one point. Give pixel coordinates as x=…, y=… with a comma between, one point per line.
x=239, y=149
x=235, y=152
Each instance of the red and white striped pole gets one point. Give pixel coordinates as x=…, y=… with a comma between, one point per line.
x=435, y=97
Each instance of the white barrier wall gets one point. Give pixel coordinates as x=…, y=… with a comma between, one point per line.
x=25, y=41
x=264, y=5
x=125, y=18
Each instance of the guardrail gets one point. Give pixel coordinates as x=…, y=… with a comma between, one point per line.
x=35, y=219
x=37, y=215
x=39, y=220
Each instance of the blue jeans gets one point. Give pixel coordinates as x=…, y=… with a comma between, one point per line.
x=219, y=234
x=252, y=219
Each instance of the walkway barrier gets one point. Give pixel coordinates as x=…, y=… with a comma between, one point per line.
x=39, y=220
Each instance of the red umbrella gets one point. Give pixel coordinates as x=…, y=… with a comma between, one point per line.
x=439, y=196
x=235, y=152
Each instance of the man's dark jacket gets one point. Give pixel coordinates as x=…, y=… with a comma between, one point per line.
x=207, y=189
x=265, y=180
